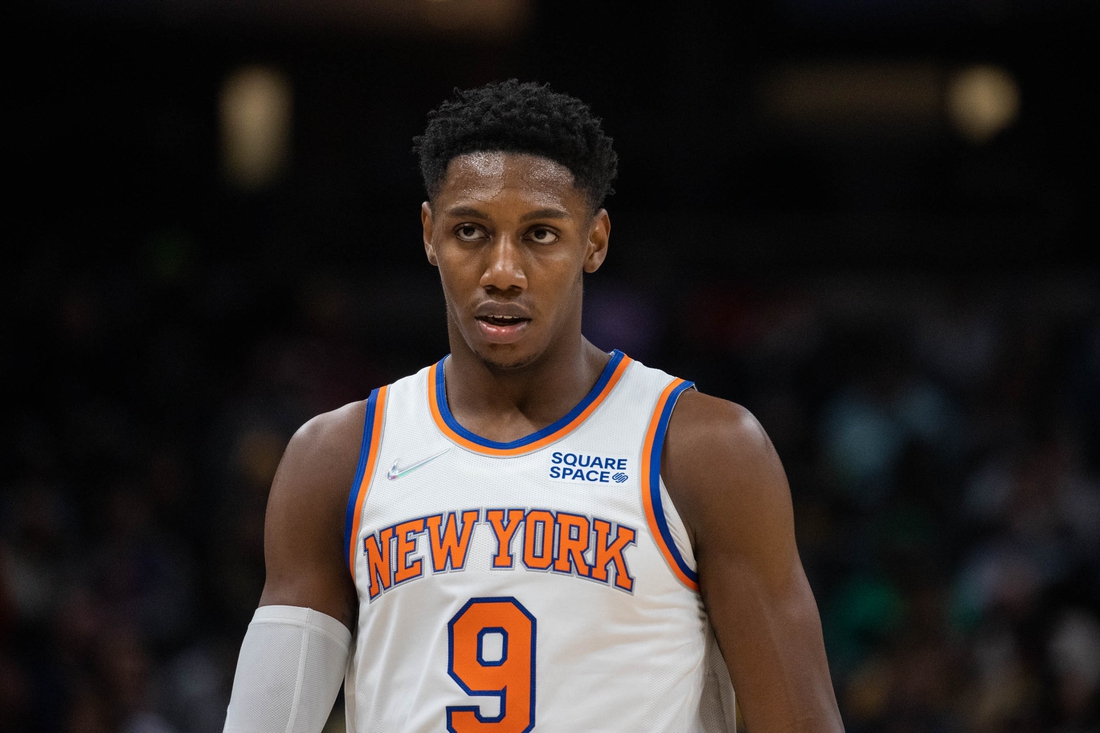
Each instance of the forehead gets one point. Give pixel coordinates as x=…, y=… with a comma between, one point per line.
x=496, y=176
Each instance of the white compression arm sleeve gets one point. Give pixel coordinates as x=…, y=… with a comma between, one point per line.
x=289, y=671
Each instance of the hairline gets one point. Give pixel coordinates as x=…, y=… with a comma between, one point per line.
x=587, y=192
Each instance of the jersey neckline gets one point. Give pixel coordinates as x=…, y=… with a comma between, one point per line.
x=446, y=422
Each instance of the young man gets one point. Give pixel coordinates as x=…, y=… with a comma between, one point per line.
x=531, y=534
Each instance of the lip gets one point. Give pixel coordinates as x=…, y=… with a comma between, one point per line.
x=494, y=308
x=495, y=334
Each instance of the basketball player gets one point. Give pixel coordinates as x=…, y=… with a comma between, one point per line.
x=532, y=533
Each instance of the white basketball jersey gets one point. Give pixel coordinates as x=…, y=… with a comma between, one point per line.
x=545, y=584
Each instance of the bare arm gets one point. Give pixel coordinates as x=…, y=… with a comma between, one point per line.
x=307, y=608
x=726, y=480
x=304, y=527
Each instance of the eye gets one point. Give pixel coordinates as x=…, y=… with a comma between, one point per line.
x=542, y=235
x=468, y=232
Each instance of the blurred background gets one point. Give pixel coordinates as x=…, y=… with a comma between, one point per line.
x=868, y=222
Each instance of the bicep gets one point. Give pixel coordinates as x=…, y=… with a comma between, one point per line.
x=733, y=493
x=303, y=527
x=770, y=635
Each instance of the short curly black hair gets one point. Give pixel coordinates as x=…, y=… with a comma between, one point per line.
x=519, y=117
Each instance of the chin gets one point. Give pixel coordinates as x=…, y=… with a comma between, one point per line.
x=497, y=360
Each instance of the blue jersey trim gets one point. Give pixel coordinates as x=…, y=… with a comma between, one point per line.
x=357, y=482
x=445, y=409
x=655, y=480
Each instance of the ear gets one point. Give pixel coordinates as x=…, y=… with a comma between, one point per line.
x=426, y=222
x=599, y=232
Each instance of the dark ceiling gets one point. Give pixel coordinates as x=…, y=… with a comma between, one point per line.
x=116, y=129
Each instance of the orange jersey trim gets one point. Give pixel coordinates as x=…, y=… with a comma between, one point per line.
x=651, y=484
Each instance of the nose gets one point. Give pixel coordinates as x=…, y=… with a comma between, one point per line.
x=504, y=270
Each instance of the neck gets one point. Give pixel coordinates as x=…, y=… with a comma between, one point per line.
x=507, y=404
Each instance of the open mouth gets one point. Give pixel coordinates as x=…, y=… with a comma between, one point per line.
x=502, y=321
x=497, y=328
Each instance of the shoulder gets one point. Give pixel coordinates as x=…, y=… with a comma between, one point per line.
x=715, y=428
x=330, y=435
x=724, y=475
x=320, y=460
x=708, y=434
x=318, y=466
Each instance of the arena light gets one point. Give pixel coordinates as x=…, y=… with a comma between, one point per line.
x=982, y=101
x=872, y=98
x=255, y=126
x=459, y=21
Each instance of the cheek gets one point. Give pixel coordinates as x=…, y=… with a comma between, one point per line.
x=561, y=286
x=458, y=275
x=568, y=268
x=447, y=281
x=450, y=300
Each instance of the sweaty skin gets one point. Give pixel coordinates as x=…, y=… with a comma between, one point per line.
x=512, y=236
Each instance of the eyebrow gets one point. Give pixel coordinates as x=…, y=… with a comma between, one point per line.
x=536, y=214
x=545, y=214
x=466, y=211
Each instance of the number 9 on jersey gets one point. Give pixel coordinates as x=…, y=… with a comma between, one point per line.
x=491, y=653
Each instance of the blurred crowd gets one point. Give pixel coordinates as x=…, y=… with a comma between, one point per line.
x=941, y=435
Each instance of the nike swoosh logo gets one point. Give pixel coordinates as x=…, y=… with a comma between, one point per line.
x=396, y=473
